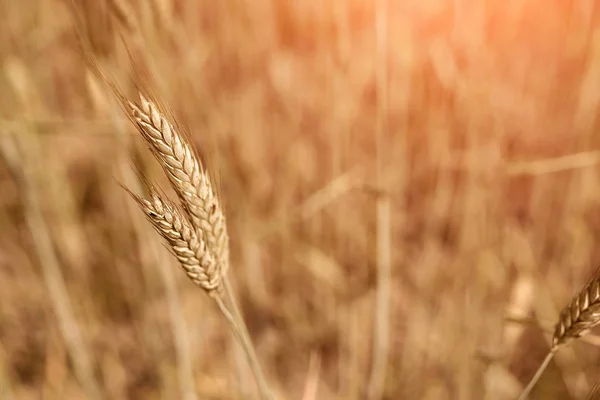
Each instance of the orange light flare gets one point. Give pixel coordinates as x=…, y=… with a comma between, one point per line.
x=529, y=64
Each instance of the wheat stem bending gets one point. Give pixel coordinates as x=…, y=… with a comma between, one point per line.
x=537, y=376
x=241, y=333
x=245, y=335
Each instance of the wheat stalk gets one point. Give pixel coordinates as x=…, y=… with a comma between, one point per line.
x=576, y=319
x=198, y=234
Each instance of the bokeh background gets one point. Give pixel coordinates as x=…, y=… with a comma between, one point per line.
x=412, y=192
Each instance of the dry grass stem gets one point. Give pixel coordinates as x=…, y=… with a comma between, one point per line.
x=537, y=376
x=240, y=331
x=383, y=229
x=552, y=165
x=22, y=154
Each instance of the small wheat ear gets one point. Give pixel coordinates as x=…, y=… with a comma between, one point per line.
x=185, y=241
x=576, y=319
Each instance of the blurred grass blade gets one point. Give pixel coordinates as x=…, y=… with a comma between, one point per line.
x=594, y=393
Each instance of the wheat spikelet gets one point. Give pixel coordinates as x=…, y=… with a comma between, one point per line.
x=190, y=181
x=185, y=241
x=579, y=316
x=576, y=319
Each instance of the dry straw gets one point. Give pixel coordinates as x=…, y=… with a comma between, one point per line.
x=195, y=229
x=576, y=320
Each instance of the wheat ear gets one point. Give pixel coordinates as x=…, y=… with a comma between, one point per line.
x=198, y=263
x=188, y=178
x=184, y=240
x=206, y=228
x=576, y=319
x=579, y=316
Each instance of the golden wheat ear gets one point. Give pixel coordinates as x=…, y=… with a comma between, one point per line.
x=189, y=180
x=579, y=316
x=184, y=240
x=576, y=319
x=198, y=234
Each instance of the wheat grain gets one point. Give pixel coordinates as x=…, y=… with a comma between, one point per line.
x=185, y=241
x=188, y=178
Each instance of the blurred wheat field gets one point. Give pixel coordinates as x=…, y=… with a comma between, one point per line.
x=400, y=179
